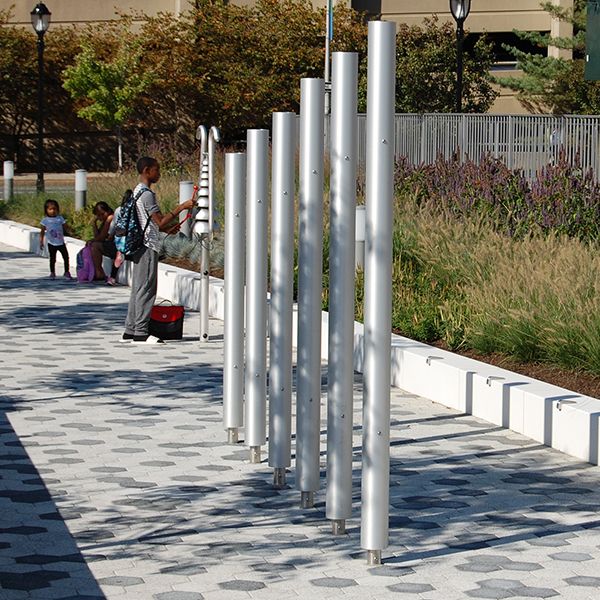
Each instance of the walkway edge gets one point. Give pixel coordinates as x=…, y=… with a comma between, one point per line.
x=548, y=414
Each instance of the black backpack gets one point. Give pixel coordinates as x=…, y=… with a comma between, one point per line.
x=129, y=235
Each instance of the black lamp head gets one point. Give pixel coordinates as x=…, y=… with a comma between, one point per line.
x=40, y=18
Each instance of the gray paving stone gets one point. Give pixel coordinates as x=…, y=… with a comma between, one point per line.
x=178, y=596
x=571, y=556
x=189, y=517
x=411, y=588
x=584, y=581
x=121, y=581
x=242, y=585
x=334, y=582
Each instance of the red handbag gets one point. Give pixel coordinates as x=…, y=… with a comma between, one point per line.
x=166, y=321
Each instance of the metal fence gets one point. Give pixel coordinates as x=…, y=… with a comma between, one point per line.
x=526, y=142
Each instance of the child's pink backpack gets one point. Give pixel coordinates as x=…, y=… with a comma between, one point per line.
x=85, y=265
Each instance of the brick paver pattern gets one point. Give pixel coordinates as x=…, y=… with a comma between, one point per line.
x=117, y=482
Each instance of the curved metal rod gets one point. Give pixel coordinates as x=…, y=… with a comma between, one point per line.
x=202, y=136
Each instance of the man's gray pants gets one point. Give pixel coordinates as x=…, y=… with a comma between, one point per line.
x=143, y=292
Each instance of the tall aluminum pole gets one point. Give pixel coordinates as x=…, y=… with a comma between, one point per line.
x=378, y=289
x=256, y=291
x=235, y=253
x=282, y=292
x=340, y=378
x=310, y=272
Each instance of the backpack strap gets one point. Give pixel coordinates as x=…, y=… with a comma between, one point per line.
x=145, y=188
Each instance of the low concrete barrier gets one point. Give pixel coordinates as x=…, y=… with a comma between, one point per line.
x=548, y=414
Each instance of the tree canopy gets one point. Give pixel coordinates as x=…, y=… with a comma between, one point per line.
x=219, y=63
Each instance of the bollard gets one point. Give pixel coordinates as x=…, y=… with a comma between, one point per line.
x=256, y=291
x=340, y=376
x=378, y=289
x=282, y=291
x=80, y=189
x=8, y=174
x=235, y=226
x=186, y=191
x=310, y=271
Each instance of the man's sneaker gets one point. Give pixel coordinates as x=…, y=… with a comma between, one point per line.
x=126, y=338
x=146, y=339
x=68, y=275
x=52, y=276
x=111, y=281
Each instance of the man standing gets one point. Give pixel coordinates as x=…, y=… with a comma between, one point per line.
x=145, y=263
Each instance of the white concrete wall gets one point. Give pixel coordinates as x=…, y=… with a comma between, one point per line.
x=546, y=413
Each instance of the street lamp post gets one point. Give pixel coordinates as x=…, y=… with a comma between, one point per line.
x=460, y=11
x=40, y=19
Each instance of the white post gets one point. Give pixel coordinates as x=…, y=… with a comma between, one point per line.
x=378, y=288
x=282, y=291
x=80, y=189
x=186, y=191
x=8, y=174
x=310, y=273
x=340, y=376
x=235, y=252
x=256, y=291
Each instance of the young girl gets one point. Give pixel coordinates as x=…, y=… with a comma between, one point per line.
x=53, y=224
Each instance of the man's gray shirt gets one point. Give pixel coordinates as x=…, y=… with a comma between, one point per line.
x=146, y=205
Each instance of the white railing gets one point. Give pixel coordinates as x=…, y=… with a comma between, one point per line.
x=526, y=142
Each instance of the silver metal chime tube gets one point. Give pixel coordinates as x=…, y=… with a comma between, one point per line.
x=256, y=291
x=235, y=253
x=378, y=288
x=340, y=378
x=310, y=270
x=282, y=291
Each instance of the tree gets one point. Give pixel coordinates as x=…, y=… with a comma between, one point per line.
x=18, y=79
x=552, y=84
x=426, y=71
x=251, y=59
x=107, y=89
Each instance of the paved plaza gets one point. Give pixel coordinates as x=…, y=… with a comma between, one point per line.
x=116, y=480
